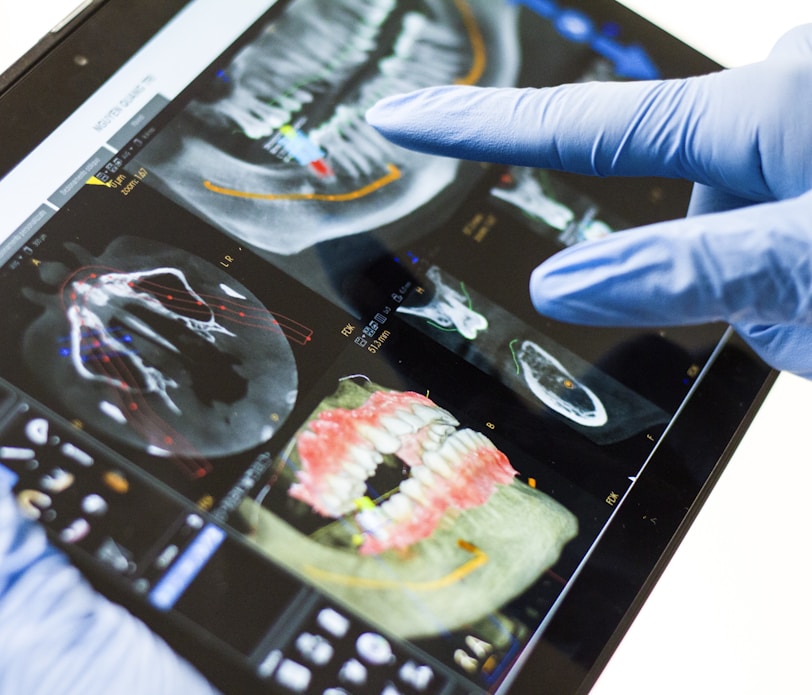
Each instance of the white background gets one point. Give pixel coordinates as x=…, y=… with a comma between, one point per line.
x=732, y=613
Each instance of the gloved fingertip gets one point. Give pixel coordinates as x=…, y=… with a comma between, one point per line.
x=411, y=111
x=401, y=118
x=380, y=114
x=548, y=291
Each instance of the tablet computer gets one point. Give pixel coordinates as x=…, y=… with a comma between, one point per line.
x=276, y=385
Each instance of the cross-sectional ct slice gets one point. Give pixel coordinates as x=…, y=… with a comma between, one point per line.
x=417, y=523
x=554, y=386
x=525, y=360
x=161, y=350
x=276, y=150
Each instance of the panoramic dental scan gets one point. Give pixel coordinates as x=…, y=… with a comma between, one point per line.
x=277, y=386
x=279, y=134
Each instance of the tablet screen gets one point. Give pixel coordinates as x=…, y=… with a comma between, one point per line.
x=280, y=381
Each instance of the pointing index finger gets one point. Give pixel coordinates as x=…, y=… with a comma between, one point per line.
x=661, y=128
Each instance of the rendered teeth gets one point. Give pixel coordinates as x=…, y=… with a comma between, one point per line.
x=345, y=488
x=332, y=503
x=398, y=507
x=434, y=414
x=384, y=442
x=412, y=488
x=354, y=470
x=396, y=426
x=436, y=435
x=414, y=422
x=437, y=464
x=367, y=459
x=430, y=445
x=423, y=475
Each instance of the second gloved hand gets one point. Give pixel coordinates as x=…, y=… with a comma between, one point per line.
x=743, y=255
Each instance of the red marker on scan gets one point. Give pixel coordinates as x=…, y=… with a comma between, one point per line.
x=301, y=148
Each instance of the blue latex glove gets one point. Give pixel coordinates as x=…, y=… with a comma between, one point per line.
x=743, y=255
x=57, y=635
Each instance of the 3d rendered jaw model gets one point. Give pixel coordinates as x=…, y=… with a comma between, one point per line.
x=277, y=151
x=163, y=351
x=425, y=527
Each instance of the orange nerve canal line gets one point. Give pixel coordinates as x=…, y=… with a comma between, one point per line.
x=477, y=45
x=479, y=559
x=392, y=175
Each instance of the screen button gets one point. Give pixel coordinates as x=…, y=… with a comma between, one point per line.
x=293, y=676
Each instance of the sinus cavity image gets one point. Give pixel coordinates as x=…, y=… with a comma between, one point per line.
x=161, y=351
x=276, y=151
x=385, y=502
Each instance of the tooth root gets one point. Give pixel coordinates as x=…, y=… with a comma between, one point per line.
x=256, y=118
x=355, y=160
x=288, y=102
x=384, y=442
x=303, y=96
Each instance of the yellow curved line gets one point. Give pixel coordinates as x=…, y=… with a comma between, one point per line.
x=393, y=175
x=479, y=559
x=477, y=44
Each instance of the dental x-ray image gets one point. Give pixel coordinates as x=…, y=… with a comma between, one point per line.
x=385, y=502
x=548, y=206
x=275, y=150
x=528, y=362
x=161, y=350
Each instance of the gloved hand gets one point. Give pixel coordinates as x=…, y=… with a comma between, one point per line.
x=744, y=253
x=57, y=635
